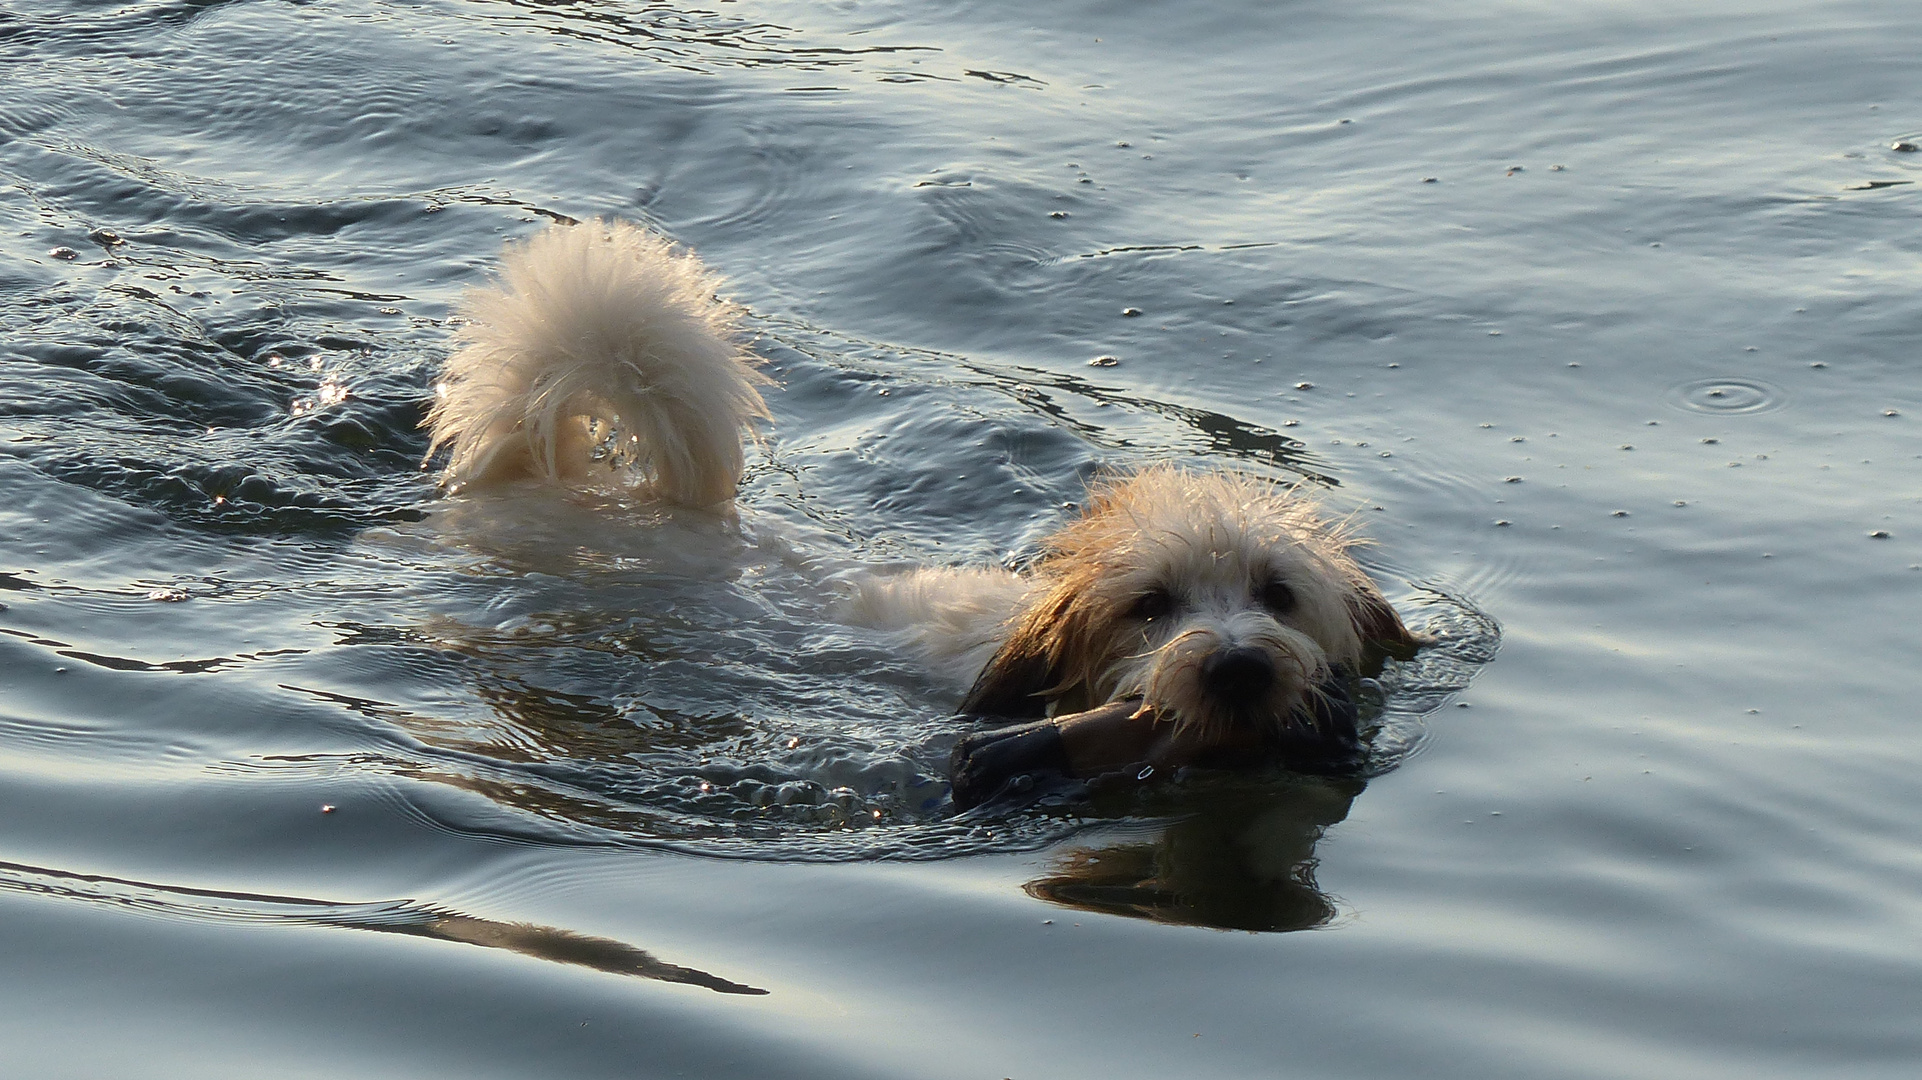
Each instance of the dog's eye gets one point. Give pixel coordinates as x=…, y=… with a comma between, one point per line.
x=1277, y=597
x=1152, y=604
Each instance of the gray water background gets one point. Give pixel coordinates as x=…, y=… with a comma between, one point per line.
x=1598, y=316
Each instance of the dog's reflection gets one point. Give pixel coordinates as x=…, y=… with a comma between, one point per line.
x=1241, y=858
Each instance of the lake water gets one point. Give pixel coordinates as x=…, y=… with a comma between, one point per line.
x=1601, y=317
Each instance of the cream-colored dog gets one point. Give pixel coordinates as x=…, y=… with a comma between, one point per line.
x=1185, y=617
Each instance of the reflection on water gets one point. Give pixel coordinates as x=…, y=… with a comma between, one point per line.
x=1241, y=858
x=406, y=917
x=558, y=946
x=688, y=38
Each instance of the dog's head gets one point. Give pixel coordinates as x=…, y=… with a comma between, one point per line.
x=1220, y=600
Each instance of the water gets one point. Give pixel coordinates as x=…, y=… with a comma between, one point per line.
x=305, y=770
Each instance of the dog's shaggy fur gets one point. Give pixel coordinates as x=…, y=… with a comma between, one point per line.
x=1221, y=601
x=1214, y=597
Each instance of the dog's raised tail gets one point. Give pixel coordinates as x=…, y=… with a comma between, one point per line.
x=602, y=346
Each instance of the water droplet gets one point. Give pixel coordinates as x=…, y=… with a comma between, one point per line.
x=326, y=808
x=66, y=253
x=1131, y=312
x=1618, y=513
x=1903, y=147
x=1103, y=361
x=1729, y=396
x=1304, y=386
x=1502, y=523
x=1057, y=214
x=1879, y=534
x=1146, y=772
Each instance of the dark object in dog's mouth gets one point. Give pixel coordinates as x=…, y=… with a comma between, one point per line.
x=1322, y=737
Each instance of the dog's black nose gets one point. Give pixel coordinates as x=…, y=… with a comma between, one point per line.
x=1238, y=674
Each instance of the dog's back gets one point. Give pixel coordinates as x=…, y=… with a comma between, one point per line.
x=601, y=345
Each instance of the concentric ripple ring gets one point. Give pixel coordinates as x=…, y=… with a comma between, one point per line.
x=1729, y=396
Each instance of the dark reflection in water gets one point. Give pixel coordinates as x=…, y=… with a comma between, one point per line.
x=559, y=946
x=1243, y=858
x=389, y=917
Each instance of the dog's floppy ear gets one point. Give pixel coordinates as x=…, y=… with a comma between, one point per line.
x=1027, y=668
x=1014, y=683
x=1381, y=630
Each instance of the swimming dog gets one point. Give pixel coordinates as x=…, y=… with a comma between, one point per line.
x=1186, y=616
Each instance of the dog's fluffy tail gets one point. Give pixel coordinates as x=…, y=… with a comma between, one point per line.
x=601, y=346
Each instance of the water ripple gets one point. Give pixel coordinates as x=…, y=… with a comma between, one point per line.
x=1731, y=395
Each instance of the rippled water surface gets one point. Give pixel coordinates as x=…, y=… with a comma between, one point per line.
x=1600, y=317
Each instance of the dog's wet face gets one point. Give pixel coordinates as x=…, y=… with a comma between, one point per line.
x=1220, y=601
x=1228, y=622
